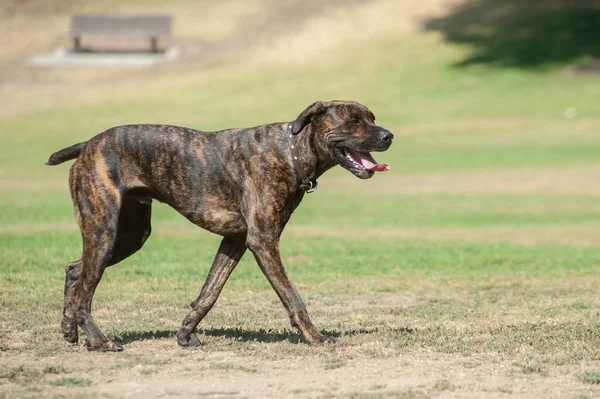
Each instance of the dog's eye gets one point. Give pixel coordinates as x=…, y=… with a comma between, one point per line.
x=355, y=121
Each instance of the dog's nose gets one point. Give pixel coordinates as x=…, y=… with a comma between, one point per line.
x=385, y=135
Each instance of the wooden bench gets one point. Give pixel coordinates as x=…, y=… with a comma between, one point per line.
x=121, y=25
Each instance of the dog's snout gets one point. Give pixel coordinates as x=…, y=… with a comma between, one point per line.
x=385, y=135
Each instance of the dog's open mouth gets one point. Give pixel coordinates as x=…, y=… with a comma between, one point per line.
x=360, y=163
x=363, y=161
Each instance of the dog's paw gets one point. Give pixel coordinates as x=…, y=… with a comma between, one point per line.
x=191, y=341
x=71, y=337
x=69, y=330
x=323, y=340
x=104, y=346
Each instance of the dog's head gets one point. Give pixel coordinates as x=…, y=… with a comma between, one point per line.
x=347, y=134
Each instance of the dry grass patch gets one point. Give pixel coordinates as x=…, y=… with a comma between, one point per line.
x=511, y=334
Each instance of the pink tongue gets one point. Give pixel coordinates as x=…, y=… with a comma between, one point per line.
x=380, y=167
x=369, y=163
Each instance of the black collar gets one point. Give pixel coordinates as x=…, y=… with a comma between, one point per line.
x=307, y=185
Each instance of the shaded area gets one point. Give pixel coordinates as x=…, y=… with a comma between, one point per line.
x=238, y=334
x=132, y=336
x=523, y=33
x=260, y=335
x=243, y=335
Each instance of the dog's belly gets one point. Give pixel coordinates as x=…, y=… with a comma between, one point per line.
x=220, y=221
x=205, y=211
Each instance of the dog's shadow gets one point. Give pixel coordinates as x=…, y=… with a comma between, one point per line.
x=237, y=334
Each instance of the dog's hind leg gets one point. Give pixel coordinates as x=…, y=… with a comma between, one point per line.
x=230, y=252
x=97, y=203
x=134, y=229
x=69, y=321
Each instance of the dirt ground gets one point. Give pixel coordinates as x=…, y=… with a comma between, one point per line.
x=159, y=369
x=365, y=362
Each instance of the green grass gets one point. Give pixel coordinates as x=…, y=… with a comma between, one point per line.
x=590, y=377
x=71, y=382
x=332, y=364
x=20, y=374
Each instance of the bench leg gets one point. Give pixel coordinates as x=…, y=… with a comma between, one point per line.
x=154, y=44
x=77, y=43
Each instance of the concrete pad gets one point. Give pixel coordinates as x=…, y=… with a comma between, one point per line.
x=66, y=58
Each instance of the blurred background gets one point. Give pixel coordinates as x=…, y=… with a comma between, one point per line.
x=495, y=104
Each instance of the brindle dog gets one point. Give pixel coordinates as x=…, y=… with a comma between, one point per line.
x=242, y=184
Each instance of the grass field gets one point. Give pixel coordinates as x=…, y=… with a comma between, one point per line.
x=468, y=270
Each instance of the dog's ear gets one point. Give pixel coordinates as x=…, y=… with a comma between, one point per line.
x=305, y=117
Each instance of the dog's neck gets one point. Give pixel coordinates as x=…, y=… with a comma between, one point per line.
x=312, y=159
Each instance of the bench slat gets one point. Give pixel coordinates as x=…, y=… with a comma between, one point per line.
x=121, y=25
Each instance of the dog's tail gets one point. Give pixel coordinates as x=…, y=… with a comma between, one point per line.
x=65, y=154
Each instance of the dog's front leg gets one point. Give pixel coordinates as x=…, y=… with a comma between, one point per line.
x=266, y=251
x=230, y=252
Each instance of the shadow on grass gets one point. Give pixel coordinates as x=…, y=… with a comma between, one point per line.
x=132, y=336
x=237, y=334
x=254, y=335
x=523, y=33
x=241, y=335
